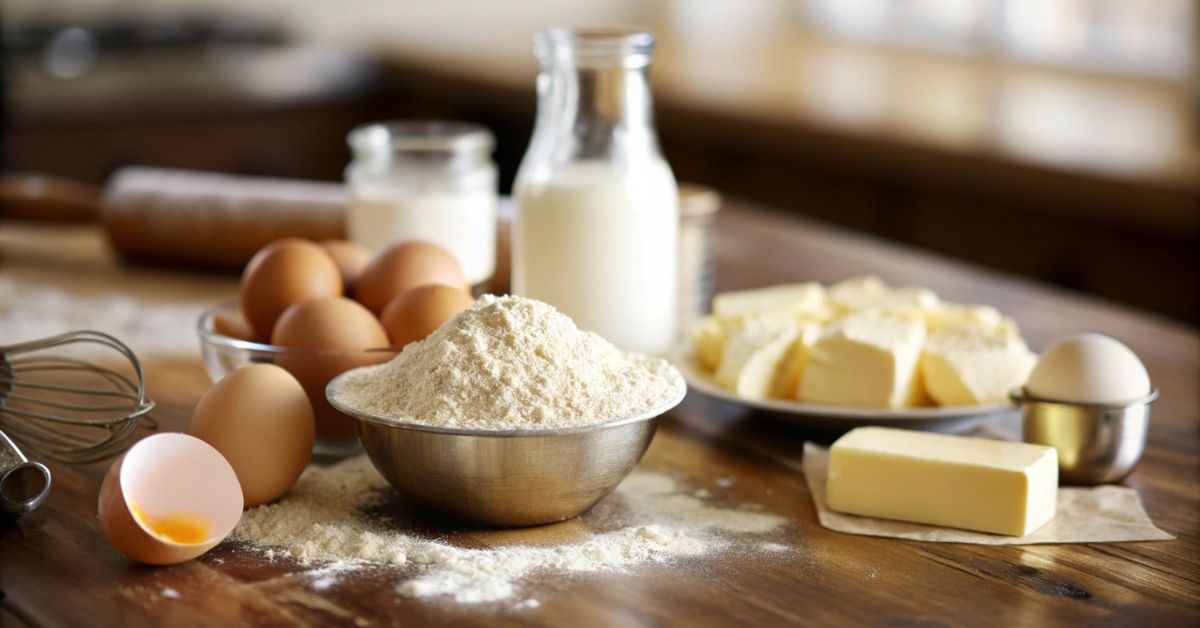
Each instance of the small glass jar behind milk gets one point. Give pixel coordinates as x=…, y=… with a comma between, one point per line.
x=425, y=180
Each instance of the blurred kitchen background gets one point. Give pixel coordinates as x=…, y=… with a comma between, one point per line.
x=1053, y=138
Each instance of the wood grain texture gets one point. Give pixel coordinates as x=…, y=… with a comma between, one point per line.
x=56, y=569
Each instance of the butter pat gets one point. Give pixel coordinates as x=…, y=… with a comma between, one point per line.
x=708, y=339
x=983, y=318
x=787, y=380
x=870, y=293
x=857, y=290
x=792, y=298
x=751, y=358
x=965, y=365
x=991, y=486
x=866, y=360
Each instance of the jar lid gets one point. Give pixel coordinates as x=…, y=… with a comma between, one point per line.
x=420, y=136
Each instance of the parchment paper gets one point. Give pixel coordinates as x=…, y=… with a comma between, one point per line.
x=1102, y=514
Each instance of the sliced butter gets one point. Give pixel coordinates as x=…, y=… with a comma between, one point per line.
x=866, y=360
x=953, y=481
x=967, y=365
x=708, y=339
x=798, y=298
x=856, y=289
x=984, y=318
x=787, y=380
x=752, y=356
x=871, y=294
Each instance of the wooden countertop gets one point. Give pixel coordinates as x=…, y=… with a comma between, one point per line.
x=56, y=568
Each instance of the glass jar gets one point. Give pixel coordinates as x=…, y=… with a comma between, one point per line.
x=597, y=230
x=425, y=180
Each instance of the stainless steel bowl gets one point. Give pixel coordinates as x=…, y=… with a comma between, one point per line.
x=1096, y=443
x=505, y=478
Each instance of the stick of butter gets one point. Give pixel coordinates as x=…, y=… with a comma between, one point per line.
x=992, y=486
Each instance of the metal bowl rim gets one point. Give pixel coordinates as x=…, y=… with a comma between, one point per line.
x=648, y=415
x=1019, y=396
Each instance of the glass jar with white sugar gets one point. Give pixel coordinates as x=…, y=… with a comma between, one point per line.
x=425, y=180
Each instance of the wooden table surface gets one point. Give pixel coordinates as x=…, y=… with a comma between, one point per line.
x=56, y=568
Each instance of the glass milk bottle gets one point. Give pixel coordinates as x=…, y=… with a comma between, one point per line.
x=597, y=231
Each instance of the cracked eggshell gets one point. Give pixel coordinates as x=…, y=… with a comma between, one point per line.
x=163, y=480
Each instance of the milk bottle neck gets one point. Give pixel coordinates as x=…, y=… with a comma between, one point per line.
x=594, y=98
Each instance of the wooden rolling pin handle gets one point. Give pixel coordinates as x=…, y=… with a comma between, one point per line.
x=41, y=198
x=180, y=217
x=213, y=220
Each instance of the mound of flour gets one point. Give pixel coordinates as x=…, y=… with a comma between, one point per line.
x=512, y=363
x=327, y=521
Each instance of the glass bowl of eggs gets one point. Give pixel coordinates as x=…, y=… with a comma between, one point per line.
x=320, y=309
x=225, y=349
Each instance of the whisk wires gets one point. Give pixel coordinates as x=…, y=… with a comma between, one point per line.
x=68, y=408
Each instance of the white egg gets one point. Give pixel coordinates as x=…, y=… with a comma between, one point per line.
x=1089, y=368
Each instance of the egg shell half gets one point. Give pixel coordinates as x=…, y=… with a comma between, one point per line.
x=163, y=475
x=260, y=419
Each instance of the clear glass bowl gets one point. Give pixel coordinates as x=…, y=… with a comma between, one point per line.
x=336, y=432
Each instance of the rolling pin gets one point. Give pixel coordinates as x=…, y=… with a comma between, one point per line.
x=181, y=217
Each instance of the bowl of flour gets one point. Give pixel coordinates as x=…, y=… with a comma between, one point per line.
x=508, y=414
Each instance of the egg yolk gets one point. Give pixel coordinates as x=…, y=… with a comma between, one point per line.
x=182, y=528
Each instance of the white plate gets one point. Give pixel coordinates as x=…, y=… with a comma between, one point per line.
x=942, y=419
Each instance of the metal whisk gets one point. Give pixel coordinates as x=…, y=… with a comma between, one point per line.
x=67, y=408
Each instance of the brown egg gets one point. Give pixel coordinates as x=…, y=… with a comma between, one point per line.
x=283, y=274
x=233, y=325
x=343, y=328
x=267, y=248
x=417, y=313
x=260, y=419
x=402, y=267
x=351, y=258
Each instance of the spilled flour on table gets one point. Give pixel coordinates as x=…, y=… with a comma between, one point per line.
x=30, y=310
x=327, y=521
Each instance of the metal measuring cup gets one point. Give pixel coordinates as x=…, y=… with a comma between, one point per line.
x=24, y=485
